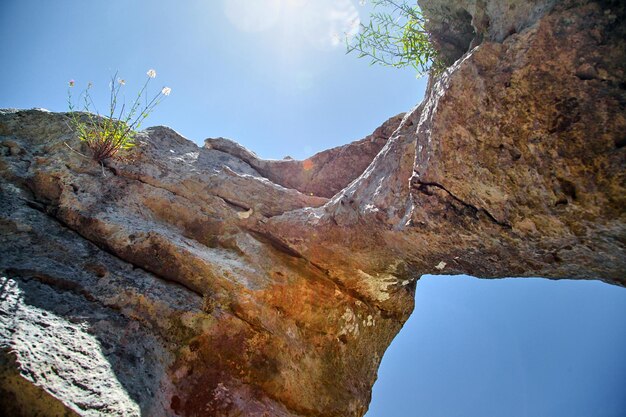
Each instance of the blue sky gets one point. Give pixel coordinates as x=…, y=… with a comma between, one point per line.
x=273, y=78
x=510, y=347
x=275, y=83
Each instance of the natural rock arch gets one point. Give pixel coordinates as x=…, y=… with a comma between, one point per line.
x=215, y=287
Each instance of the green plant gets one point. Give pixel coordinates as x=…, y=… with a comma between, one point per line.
x=106, y=135
x=396, y=37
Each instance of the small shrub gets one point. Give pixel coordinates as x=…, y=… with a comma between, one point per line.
x=106, y=135
x=396, y=38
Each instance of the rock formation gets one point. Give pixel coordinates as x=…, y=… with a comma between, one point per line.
x=187, y=281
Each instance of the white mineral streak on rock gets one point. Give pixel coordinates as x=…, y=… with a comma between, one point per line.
x=371, y=208
x=351, y=324
x=377, y=285
x=245, y=214
x=462, y=176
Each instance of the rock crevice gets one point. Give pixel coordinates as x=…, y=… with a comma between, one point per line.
x=425, y=188
x=211, y=282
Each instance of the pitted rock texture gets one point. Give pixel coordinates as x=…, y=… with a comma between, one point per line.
x=161, y=260
x=457, y=26
x=200, y=282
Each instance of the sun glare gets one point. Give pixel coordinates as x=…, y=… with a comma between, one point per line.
x=323, y=24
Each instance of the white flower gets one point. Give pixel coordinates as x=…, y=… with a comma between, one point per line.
x=166, y=91
x=151, y=73
x=122, y=82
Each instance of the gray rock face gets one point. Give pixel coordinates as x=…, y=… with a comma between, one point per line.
x=323, y=174
x=158, y=264
x=187, y=281
x=457, y=26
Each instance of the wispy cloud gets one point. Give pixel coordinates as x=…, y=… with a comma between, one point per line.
x=322, y=23
x=252, y=15
x=328, y=22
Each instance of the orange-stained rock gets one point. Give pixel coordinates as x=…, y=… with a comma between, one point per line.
x=188, y=281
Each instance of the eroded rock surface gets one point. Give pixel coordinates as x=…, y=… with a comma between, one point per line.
x=324, y=174
x=459, y=25
x=188, y=281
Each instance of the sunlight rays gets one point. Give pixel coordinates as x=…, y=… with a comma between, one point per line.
x=252, y=16
x=322, y=24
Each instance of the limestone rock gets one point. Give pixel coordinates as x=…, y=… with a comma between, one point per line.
x=456, y=26
x=323, y=174
x=160, y=259
x=187, y=281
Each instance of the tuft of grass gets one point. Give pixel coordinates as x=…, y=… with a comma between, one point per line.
x=106, y=135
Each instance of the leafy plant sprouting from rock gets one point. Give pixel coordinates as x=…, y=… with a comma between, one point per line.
x=106, y=135
x=395, y=37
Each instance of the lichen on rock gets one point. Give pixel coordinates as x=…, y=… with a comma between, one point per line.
x=207, y=281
